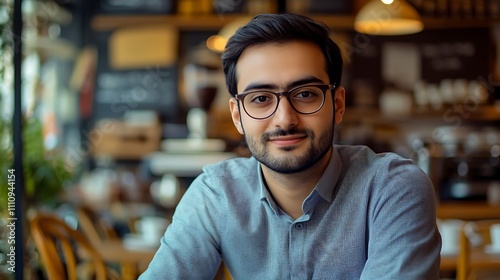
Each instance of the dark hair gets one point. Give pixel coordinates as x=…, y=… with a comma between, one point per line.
x=280, y=28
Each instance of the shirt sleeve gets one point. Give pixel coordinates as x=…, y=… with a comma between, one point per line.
x=190, y=246
x=403, y=241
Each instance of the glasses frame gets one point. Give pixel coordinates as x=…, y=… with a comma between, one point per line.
x=324, y=88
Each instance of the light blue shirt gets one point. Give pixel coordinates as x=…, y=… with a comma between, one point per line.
x=371, y=216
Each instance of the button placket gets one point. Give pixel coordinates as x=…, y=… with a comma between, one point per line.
x=298, y=269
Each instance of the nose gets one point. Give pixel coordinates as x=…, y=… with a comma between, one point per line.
x=285, y=116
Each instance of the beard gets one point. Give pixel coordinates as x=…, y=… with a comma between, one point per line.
x=289, y=163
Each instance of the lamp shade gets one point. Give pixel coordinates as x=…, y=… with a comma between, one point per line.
x=218, y=42
x=396, y=18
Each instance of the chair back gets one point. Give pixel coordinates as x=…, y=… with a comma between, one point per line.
x=93, y=226
x=473, y=262
x=59, y=247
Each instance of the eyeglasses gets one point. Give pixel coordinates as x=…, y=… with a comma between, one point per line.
x=261, y=104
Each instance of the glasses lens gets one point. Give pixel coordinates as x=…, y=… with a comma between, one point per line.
x=305, y=100
x=308, y=99
x=260, y=104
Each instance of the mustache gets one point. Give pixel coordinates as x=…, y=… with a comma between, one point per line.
x=282, y=132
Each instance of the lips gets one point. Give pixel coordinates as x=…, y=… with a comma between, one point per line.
x=287, y=140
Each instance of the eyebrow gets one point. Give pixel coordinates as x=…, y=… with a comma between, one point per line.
x=303, y=81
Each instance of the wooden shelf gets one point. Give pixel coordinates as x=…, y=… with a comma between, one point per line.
x=196, y=22
x=450, y=114
x=446, y=23
x=467, y=210
x=199, y=22
x=215, y=22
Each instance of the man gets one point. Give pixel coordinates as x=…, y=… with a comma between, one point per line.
x=300, y=207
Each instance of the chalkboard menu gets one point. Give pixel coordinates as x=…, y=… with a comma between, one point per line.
x=462, y=53
x=455, y=54
x=119, y=91
x=134, y=6
x=327, y=6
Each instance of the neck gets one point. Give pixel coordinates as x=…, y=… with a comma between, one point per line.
x=290, y=190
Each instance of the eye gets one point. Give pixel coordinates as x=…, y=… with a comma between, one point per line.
x=306, y=94
x=261, y=98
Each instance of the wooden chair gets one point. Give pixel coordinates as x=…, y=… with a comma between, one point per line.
x=93, y=226
x=473, y=262
x=58, y=244
x=98, y=231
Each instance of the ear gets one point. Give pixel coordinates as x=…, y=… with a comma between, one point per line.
x=235, y=114
x=339, y=103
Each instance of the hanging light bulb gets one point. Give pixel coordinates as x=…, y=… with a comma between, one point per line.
x=388, y=17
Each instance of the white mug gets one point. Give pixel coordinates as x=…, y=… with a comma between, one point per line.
x=151, y=228
x=450, y=234
x=495, y=235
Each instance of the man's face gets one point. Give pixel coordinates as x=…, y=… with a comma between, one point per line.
x=287, y=141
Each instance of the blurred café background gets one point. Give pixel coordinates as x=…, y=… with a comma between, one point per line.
x=124, y=102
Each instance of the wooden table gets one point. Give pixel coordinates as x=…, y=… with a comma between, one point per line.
x=467, y=210
x=132, y=261
x=448, y=262
x=478, y=259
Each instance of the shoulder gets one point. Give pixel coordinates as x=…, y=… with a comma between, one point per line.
x=386, y=172
x=233, y=168
x=221, y=184
x=363, y=154
x=214, y=183
x=360, y=158
x=236, y=178
x=227, y=175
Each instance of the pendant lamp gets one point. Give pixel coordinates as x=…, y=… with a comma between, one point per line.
x=217, y=43
x=388, y=17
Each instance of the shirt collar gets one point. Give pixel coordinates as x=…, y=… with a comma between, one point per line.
x=324, y=187
x=328, y=181
x=264, y=192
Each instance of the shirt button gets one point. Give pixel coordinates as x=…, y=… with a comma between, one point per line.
x=299, y=226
